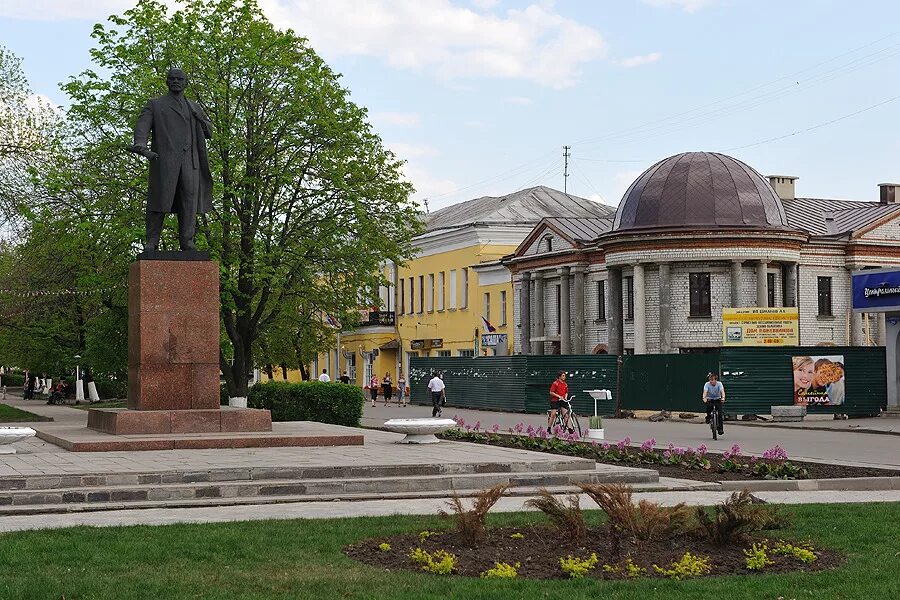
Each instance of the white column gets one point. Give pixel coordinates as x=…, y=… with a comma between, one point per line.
x=640, y=311
x=737, y=268
x=762, y=285
x=665, y=308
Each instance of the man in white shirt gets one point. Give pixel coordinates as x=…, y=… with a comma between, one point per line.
x=324, y=378
x=436, y=385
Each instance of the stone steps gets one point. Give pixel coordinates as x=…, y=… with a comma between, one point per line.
x=40, y=493
x=523, y=492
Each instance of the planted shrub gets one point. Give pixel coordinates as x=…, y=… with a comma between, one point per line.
x=439, y=562
x=566, y=517
x=802, y=552
x=309, y=401
x=470, y=522
x=644, y=521
x=13, y=379
x=502, y=570
x=736, y=518
x=688, y=565
x=757, y=557
x=576, y=567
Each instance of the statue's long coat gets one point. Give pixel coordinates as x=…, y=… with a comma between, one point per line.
x=172, y=132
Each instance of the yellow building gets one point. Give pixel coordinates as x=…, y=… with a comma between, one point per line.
x=439, y=301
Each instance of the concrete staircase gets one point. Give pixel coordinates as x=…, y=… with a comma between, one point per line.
x=36, y=494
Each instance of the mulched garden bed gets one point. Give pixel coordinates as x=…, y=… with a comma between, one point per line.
x=541, y=548
x=814, y=470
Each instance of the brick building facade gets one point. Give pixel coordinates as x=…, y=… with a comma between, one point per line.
x=695, y=233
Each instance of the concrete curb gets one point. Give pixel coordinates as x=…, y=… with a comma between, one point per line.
x=813, y=428
x=857, y=484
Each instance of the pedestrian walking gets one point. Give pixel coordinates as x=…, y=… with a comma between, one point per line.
x=345, y=379
x=30, y=384
x=324, y=378
x=401, y=390
x=387, y=387
x=373, y=388
x=437, y=387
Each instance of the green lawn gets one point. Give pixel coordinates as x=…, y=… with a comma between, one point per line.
x=11, y=414
x=303, y=559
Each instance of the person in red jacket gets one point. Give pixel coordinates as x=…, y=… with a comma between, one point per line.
x=559, y=396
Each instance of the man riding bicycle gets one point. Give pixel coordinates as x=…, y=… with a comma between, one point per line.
x=559, y=392
x=714, y=398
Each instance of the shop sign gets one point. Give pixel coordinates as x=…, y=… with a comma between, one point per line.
x=876, y=290
x=494, y=339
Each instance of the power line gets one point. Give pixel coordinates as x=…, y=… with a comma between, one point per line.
x=814, y=127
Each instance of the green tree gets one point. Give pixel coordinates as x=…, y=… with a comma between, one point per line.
x=307, y=201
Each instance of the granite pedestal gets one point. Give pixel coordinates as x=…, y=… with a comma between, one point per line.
x=173, y=353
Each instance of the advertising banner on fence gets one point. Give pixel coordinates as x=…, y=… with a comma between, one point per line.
x=760, y=327
x=818, y=380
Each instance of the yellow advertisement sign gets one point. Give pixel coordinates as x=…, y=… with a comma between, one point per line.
x=760, y=327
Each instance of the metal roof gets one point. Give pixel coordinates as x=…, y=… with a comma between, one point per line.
x=525, y=207
x=821, y=216
x=700, y=190
x=580, y=230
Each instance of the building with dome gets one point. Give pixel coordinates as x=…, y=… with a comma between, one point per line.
x=694, y=234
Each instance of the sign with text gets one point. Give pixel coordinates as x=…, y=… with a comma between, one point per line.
x=426, y=344
x=760, y=327
x=493, y=339
x=818, y=380
x=876, y=290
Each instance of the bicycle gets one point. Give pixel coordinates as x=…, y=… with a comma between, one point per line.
x=716, y=420
x=574, y=424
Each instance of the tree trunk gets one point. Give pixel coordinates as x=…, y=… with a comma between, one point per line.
x=304, y=374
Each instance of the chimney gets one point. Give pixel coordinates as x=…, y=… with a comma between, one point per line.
x=783, y=185
x=888, y=193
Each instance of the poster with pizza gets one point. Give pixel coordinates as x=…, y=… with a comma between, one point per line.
x=818, y=380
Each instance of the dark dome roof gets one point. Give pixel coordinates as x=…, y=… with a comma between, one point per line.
x=700, y=190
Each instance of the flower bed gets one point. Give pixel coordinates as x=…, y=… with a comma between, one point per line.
x=641, y=540
x=670, y=461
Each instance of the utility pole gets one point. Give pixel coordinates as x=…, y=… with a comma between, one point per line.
x=566, y=156
x=426, y=205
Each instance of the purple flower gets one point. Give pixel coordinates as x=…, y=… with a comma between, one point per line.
x=519, y=427
x=468, y=428
x=530, y=430
x=775, y=453
x=532, y=433
x=648, y=445
x=671, y=446
x=620, y=445
x=702, y=449
x=753, y=459
x=543, y=433
x=604, y=446
x=679, y=451
x=510, y=430
x=460, y=422
x=627, y=441
x=735, y=450
x=557, y=430
x=495, y=428
x=727, y=455
x=667, y=454
x=477, y=425
x=688, y=451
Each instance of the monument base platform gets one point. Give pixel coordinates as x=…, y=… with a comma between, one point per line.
x=123, y=421
x=294, y=434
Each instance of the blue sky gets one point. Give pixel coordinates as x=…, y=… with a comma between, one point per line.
x=479, y=96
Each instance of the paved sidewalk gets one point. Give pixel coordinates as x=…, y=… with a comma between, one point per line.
x=375, y=508
x=831, y=446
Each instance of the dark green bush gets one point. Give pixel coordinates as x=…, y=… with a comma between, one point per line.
x=309, y=401
x=110, y=389
x=13, y=379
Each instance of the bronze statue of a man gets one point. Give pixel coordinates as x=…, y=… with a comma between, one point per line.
x=180, y=181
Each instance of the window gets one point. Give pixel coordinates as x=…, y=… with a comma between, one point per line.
x=601, y=300
x=440, y=290
x=431, y=292
x=369, y=369
x=468, y=353
x=825, y=297
x=421, y=293
x=628, y=289
x=464, y=301
x=487, y=307
x=402, y=307
x=444, y=354
x=770, y=289
x=549, y=243
x=558, y=308
x=502, y=309
x=351, y=367
x=700, y=303
x=412, y=295
x=453, y=289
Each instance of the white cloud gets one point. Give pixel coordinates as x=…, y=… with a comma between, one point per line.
x=521, y=100
x=441, y=37
x=689, y=6
x=407, y=151
x=398, y=119
x=430, y=186
x=485, y=4
x=62, y=10
x=534, y=43
x=622, y=181
x=639, y=61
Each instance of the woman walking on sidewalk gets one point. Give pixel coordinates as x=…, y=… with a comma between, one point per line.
x=387, y=388
x=373, y=388
x=401, y=390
